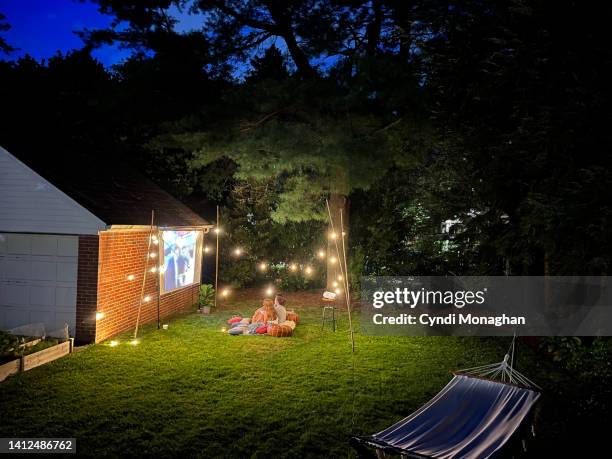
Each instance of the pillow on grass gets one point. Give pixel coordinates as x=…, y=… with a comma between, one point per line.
x=234, y=319
x=237, y=331
x=279, y=331
x=261, y=330
x=293, y=316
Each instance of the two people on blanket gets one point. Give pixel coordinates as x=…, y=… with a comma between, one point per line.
x=271, y=310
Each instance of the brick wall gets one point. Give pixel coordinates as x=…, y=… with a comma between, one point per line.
x=122, y=254
x=87, y=289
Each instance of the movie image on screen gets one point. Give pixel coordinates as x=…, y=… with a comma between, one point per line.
x=181, y=259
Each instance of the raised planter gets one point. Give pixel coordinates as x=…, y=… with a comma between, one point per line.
x=9, y=369
x=27, y=362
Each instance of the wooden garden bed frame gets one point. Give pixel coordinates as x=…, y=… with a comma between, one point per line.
x=27, y=362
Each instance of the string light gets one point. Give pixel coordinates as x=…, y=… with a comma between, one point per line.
x=147, y=299
x=224, y=292
x=333, y=260
x=338, y=291
x=152, y=255
x=154, y=269
x=217, y=230
x=134, y=342
x=130, y=277
x=99, y=315
x=162, y=269
x=223, y=329
x=293, y=267
x=321, y=254
x=340, y=278
x=206, y=249
x=335, y=284
x=263, y=266
x=155, y=240
x=308, y=270
x=333, y=235
x=113, y=343
x=269, y=291
x=237, y=251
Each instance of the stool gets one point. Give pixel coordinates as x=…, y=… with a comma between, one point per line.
x=330, y=307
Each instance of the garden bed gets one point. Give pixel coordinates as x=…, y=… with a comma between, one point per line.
x=31, y=354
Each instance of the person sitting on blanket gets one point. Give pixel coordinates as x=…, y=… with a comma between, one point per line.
x=279, y=308
x=266, y=313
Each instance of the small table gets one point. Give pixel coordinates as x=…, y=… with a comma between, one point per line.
x=329, y=307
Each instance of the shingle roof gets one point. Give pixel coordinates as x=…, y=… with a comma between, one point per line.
x=114, y=191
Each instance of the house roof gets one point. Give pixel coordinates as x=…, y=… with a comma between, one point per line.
x=31, y=204
x=113, y=191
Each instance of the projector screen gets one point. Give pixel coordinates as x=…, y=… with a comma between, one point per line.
x=181, y=251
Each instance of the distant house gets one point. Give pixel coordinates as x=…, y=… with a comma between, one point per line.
x=76, y=243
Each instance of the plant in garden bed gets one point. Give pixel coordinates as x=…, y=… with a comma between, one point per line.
x=9, y=346
x=14, y=346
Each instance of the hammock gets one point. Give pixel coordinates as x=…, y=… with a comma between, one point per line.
x=473, y=417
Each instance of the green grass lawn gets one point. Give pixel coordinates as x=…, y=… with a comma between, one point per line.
x=192, y=390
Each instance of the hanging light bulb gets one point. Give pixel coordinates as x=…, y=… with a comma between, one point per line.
x=206, y=249
x=293, y=267
x=99, y=315
x=154, y=269
x=338, y=291
x=269, y=291
x=263, y=266
x=308, y=270
x=224, y=292
x=218, y=230
x=237, y=251
x=113, y=343
x=333, y=260
x=147, y=299
x=333, y=235
x=130, y=277
x=340, y=278
x=321, y=253
x=152, y=255
x=335, y=284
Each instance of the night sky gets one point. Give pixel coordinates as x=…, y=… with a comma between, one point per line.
x=42, y=27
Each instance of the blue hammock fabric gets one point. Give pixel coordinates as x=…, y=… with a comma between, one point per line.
x=470, y=418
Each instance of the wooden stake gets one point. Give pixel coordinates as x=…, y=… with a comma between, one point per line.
x=344, y=275
x=144, y=275
x=346, y=284
x=217, y=258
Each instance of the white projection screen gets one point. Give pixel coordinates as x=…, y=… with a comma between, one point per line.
x=181, y=259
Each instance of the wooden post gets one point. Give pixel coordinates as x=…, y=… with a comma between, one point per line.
x=217, y=230
x=346, y=283
x=335, y=203
x=158, y=283
x=342, y=271
x=144, y=275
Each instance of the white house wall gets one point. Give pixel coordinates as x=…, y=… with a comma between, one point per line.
x=38, y=281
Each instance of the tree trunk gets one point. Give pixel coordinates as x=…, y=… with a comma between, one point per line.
x=281, y=14
x=298, y=56
x=337, y=202
x=373, y=29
